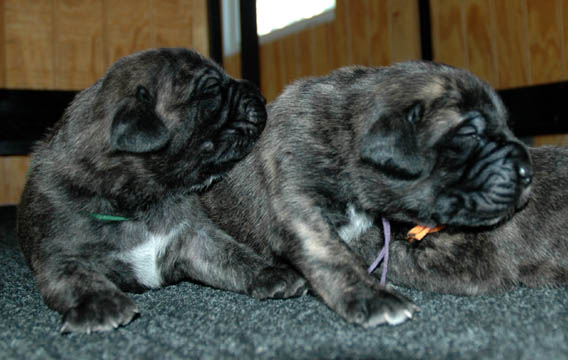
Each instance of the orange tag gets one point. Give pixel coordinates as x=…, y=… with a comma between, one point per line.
x=419, y=232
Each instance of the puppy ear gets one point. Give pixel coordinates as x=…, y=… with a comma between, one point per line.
x=390, y=145
x=136, y=127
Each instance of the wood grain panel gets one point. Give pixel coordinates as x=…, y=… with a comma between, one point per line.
x=564, y=21
x=277, y=67
x=321, y=52
x=561, y=140
x=29, y=44
x=512, y=43
x=172, y=23
x=200, y=27
x=305, y=65
x=2, y=47
x=545, y=39
x=79, y=57
x=405, y=30
x=4, y=192
x=449, y=35
x=232, y=65
x=359, y=35
x=270, y=78
x=379, y=33
x=127, y=28
x=340, y=47
x=480, y=30
x=292, y=58
x=13, y=172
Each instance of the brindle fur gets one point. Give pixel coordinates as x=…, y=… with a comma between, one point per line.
x=158, y=127
x=529, y=250
x=417, y=141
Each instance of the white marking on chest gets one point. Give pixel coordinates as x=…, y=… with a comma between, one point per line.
x=359, y=222
x=144, y=257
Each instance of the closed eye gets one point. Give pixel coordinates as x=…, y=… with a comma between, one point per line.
x=467, y=130
x=210, y=88
x=473, y=127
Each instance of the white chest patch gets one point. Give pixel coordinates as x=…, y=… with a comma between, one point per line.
x=359, y=222
x=144, y=257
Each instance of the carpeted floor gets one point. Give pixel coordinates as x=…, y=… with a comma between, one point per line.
x=189, y=321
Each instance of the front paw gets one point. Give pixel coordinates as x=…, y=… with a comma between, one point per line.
x=100, y=312
x=279, y=283
x=372, y=307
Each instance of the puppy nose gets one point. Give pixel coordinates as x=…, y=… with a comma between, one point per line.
x=525, y=174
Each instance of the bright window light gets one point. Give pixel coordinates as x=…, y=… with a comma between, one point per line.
x=276, y=14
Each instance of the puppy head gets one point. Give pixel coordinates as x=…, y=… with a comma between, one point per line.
x=437, y=149
x=170, y=115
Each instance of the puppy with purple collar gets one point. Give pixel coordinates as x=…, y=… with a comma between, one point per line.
x=418, y=142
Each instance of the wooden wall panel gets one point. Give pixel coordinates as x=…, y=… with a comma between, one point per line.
x=79, y=59
x=364, y=32
x=270, y=75
x=13, y=171
x=564, y=22
x=68, y=44
x=128, y=25
x=545, y=41
x=232, y=65
x=448, y=29
x=2, y=47
x=321, y=51
x=379, y=33
x=359, y=31
x=405, y=30
x=292, y=57
x=304, y=65
x=29, y=44
x=172, y=23
x=481, y=47
x=512, y=43
x=277, y=67
x=200, y=27
x=561, y=140
x=341, y=34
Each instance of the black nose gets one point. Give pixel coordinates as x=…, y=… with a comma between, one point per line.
x=525, y=174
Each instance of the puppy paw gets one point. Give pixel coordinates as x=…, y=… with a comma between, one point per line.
x=100, y=312
x=278, y=283
x=372, y=308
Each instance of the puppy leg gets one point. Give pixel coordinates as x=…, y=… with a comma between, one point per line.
x=451, y=263
x=208, y=255
x=88, y=300
x=339, y=276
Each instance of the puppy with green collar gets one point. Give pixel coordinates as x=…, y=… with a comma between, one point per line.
x=110, y=202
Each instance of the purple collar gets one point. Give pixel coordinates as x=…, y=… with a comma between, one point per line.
x=384, y=254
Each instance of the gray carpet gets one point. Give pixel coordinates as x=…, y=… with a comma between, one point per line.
x=189, y=321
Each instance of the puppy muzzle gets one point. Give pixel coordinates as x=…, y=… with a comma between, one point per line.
x=491, y=190
x=250, y=113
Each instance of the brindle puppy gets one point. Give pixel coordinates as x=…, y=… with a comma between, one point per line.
x=416, y=141
x=107, y=207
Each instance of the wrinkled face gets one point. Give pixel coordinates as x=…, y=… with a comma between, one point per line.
x=186, y=120
x=440, y=147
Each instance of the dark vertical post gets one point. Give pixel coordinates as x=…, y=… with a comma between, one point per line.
x=425, y=29
x=250, y=63
x=215, y=31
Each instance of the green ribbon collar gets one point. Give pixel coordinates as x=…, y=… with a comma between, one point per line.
x=104, y=217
